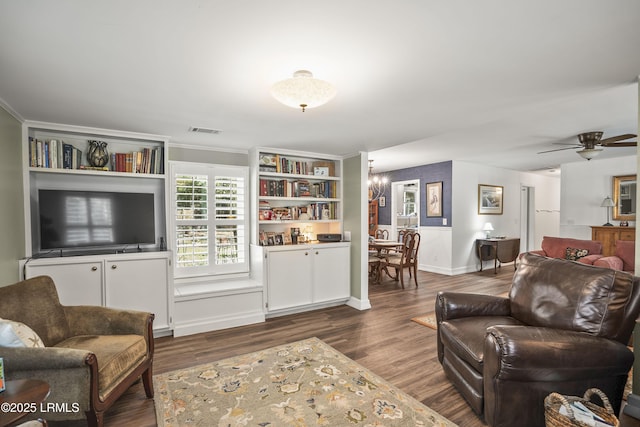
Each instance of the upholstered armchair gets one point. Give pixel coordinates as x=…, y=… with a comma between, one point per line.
x=584, y=251
x=624, y=258
x=88, y=355
x=563, y=328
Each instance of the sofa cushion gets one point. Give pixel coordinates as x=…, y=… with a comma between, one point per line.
x=568, y=295
x=465, y=336
x=626, y=251
x=555, y=247
x=117, y=356
x=17, y=334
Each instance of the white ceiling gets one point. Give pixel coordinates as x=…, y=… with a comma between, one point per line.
x=419, y=81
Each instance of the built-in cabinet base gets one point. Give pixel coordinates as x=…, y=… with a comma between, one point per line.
x=302, y=277
x=134, y=281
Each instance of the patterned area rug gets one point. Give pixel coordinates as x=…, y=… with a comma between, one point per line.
x=428, y=320
x=306, y=383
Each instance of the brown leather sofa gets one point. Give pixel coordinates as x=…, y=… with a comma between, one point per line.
x=564, y=328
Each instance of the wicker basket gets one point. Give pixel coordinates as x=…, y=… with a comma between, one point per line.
x=554, y=401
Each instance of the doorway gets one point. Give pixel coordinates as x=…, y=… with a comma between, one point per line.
x=405, y=206
x=527, y=218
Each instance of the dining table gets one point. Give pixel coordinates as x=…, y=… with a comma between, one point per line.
x=382, y=247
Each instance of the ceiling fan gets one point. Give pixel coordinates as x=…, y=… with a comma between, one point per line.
x=590, y=142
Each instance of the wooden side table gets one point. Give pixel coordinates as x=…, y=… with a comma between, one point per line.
x=499, y=250
x=21, y=394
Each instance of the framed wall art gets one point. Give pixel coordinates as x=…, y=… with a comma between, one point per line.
x=434, y=199
x=490, y=199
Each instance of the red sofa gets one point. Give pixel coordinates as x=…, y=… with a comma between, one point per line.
x=556, y=247
x=624, y=258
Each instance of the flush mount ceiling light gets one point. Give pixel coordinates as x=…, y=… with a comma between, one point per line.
x=589, y=153
x=303, y=91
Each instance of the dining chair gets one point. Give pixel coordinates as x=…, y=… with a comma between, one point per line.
x=382, y=234
x=407, y=258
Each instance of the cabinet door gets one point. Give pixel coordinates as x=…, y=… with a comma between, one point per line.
x=289, y=279
x=331, y=274
x=139, y=284
x=77, y=284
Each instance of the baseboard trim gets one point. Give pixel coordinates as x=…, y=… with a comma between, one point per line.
x=359, y=304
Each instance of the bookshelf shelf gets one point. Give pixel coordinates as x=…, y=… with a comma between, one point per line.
x=95, y=172
x=54, y=157
x=296, y=197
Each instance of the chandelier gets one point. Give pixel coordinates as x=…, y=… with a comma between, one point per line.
x=303, y=91
x=377, y=184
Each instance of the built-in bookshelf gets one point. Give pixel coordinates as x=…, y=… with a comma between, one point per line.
x=64, y=149
x=298, y=195
x=55, y=157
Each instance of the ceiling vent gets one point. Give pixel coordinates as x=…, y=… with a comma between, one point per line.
x=204, y=130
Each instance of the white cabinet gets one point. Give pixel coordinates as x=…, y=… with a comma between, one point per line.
x=78, y=283
x=289, y=279
x=135, y=281
x=331, y=273
x=306, y=277
x=139, y=284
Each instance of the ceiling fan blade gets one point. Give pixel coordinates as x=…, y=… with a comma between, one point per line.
x=616, y=138
x=621, y=144
x=560, y=149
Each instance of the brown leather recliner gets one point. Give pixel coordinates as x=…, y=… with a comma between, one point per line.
x=564, y=328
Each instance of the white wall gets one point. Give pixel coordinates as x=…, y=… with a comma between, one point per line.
x=467, y=223
x=584, y=185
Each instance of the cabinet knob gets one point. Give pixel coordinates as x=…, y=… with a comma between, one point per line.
x=113, y=267
x=94, y=268
x=317, y=252
x=306, y=253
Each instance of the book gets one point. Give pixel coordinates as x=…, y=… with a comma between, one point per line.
x=2, y=386
x=67, y=154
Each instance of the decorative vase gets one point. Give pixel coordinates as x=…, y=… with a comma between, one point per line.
x=97, y=155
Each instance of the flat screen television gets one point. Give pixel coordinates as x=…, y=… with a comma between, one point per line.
x=94, y=219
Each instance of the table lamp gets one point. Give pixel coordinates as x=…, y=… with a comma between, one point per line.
x=488, y=228
x=607, y=203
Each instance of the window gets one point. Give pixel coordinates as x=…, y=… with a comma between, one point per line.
x=211, y=222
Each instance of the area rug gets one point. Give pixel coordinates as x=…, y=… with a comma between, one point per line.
x=428, y=320
x=305, y=383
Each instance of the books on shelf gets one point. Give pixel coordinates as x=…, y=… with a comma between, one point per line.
x=280, y=164
x=298, y=188
x=310, y=212
x=53, y=154
x=56, y=154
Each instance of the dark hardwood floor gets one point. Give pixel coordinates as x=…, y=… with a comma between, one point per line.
x=382, y=339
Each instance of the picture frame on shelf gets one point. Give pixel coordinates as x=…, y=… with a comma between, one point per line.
x=279, y=239
x=490, y=199
x=321, y=170
x=434, y=199
x=271, y=238
x=286, y=239
x=327, y=168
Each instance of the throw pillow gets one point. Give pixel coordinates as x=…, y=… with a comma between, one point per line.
x=16, y=334
x=574, y=254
